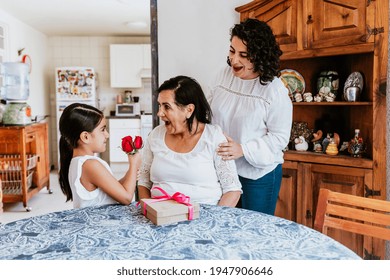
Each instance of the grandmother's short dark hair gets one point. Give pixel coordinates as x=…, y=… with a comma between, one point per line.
x=188, y=91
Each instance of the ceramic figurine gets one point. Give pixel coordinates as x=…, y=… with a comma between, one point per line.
x=328, y=85
x=356, y=147
x=326, y=142
x=353, y=87
x=317, y=138
x=301, y=144
x=331, y=149
x=307, y=97
x=298, y=97
x=300, y=129
x=317, y=147
x=317, y=135
x=344, y=147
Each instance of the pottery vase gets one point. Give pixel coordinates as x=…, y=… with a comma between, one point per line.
x=328, y=85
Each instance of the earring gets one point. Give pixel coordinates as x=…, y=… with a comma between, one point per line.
x=228, y=61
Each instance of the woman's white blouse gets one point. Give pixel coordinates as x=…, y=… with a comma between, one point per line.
x=200, y=174
x=81, y=196
x=259, y=117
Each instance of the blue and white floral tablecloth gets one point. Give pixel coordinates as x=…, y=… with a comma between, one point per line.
x=122, y=232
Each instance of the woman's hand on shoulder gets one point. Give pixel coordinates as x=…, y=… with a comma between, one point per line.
x=230, y=150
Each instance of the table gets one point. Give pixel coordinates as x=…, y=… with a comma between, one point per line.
x=122, y=232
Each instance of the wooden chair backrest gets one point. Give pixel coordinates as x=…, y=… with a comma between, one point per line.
x=360, y=215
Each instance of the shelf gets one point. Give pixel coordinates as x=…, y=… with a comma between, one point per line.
x=337, y=103
x=320, y=158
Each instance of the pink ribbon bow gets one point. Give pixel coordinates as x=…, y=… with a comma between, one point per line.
x=177, y=196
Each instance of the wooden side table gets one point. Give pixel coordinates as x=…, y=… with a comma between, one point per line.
x=24, y=162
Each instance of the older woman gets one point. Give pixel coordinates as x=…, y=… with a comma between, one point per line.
x=180, y=154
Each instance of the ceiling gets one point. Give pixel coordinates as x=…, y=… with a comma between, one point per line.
x=83, y=17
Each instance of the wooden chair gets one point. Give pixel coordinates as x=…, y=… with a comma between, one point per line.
x=360, y=215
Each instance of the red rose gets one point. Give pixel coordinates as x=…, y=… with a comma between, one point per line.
x=137, y=142
x=131, y=147
x=127, y=144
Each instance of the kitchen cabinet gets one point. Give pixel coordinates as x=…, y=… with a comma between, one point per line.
x=337, y=23
x=147, y=56
x=312, y=25
x=146, y=72
x=129, y=63
x=282, y=16
x=300, y=188
x=299, y=193
x=25, y=167
x=318, y=35
x=119, y=128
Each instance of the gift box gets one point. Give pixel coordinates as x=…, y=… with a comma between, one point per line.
x=167, y=211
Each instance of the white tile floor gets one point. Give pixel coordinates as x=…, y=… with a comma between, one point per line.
x=41, y=203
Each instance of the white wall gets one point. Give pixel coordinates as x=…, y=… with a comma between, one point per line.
x=193, y=37
x=35, y=43
x=91, y=51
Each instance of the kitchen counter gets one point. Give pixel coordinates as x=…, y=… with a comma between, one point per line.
x=127, y=117
x=123, y=117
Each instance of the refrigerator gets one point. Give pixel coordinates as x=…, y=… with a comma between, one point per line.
x=74, y=84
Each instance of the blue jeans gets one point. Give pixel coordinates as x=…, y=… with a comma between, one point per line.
x=262, y=194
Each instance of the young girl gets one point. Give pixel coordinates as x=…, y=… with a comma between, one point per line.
x=84, y=178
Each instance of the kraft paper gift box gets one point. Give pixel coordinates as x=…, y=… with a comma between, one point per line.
x=167, y=211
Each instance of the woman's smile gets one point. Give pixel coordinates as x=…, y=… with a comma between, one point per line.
x=237, y=69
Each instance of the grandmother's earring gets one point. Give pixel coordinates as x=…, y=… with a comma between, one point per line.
x=228, y=61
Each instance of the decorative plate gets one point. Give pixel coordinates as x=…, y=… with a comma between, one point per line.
x=354, y=80
x=293, y=80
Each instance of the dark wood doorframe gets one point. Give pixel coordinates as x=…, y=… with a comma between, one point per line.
x=154, y=54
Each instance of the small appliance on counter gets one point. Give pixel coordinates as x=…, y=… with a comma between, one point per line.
x=127, y=110
x=16, y=92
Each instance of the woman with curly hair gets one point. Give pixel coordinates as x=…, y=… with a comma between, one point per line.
x=253, y=107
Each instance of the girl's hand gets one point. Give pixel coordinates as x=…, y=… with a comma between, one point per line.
x=230, y=150
x=135, y=160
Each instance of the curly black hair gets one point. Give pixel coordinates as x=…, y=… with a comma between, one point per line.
x=263, y=50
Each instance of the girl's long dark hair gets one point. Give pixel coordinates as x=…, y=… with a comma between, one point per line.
x=75, y=119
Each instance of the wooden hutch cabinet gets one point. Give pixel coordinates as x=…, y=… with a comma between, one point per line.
x=343, y=36
x=24, y=162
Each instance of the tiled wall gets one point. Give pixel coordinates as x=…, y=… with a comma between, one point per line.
x=92, y=52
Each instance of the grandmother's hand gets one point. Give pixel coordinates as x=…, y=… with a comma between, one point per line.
x=230, y=150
